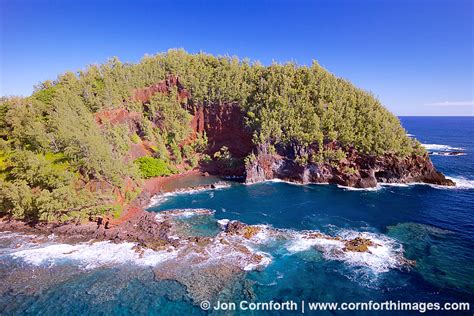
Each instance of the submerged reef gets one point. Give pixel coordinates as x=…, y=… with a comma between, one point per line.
x=204, y=264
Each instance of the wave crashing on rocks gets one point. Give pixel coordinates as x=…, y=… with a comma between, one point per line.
x=206, y=265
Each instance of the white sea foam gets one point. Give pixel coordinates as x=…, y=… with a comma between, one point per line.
x=223, y=223
x=263, y=235
x=264, y=181
x=447, y=154
x=264, y=261
x=287, y=182
x=402, y=185
x=15, y=241
x=92, y=255
x=160, y=198
x=462, y=183
x=388, y=254
x=275, y=180
x=301, y=242
x=359, y=189
x=226, y=250
x=163, y=197
x=438, y=147
x=221, y=185
x=182, y=213
x=10, y=235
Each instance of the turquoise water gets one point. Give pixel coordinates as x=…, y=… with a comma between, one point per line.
x=433, y=226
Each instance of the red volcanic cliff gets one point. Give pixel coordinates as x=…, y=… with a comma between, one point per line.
x=144, y=95
x=116, y=116
x=224, y=125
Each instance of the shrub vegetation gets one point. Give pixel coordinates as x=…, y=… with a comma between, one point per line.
x=51, y=144
x=152, y=167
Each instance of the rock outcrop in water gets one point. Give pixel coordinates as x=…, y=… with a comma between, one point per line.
x=206, y=265
x=359, y=244
x=356, y=170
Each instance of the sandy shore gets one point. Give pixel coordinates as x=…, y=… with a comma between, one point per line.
x=150, y=187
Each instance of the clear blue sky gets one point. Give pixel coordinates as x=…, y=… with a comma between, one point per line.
x=416, y=56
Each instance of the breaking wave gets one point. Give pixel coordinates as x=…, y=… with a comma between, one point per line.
x=163, y=197
x=447, y=153
x=438, y=147
x=378, y=187
x=222, y=249
x=462, y=183
x=92, y=255
x=275, y=180
x=386, y=253
x=104, y=253
x=182, y=213
x=246, y=251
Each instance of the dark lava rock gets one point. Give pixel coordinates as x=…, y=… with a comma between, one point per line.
x=358, y=244
x=356, y=170
x=235, y=227
x=142, y=229
x=455, y=153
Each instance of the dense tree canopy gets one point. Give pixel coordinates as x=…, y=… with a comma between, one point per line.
x=51, y=143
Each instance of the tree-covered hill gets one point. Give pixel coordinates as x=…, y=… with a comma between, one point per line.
x=63, y=157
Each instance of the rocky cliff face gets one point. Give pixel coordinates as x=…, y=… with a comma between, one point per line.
x=224, y=125
x=164, y=86
x=357, y=170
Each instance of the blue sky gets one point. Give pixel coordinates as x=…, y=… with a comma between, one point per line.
x=416, y=56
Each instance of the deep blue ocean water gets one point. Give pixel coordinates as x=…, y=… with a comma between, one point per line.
x=434, y=226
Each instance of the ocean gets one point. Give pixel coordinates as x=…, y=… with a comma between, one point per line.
x=432, y=225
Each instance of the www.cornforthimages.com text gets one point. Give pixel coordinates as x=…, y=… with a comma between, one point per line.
x=303, y=306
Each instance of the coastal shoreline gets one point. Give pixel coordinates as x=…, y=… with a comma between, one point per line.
x=135, y=224
x=126, y=228
x=150, y=188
